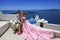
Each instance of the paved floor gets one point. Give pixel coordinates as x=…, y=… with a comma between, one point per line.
x=10, y=36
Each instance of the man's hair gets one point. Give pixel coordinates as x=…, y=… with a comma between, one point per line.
x=18, y=11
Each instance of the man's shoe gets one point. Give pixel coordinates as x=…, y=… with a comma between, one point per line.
x=15, y=31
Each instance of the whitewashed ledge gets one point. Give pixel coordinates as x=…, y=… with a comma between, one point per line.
x=4, y=25
x=52, y=26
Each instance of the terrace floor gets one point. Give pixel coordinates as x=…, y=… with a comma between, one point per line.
x=9, y=35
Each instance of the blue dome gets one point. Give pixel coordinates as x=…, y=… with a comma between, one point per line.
x=32, y=21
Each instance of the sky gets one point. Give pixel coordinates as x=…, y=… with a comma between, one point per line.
x=29, y=4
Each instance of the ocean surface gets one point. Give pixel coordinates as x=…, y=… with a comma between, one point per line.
x=52, y=15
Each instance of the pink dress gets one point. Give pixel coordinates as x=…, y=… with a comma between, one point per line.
x=33, y=32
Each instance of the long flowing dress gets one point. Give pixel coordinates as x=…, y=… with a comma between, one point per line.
x=33, y=32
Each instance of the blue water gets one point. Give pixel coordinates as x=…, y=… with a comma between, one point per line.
x=52, y=16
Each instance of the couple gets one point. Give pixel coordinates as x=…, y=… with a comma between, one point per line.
x=21, y=18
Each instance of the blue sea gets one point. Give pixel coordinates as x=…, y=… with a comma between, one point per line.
x=52, y=15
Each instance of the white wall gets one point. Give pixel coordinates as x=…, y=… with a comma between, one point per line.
x=8, y=17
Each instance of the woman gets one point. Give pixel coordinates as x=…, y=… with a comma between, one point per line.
x=21, y=19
